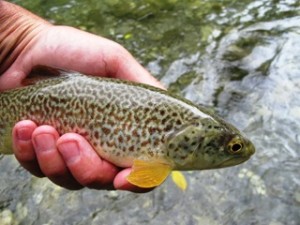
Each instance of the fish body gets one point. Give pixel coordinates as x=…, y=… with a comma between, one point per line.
x=128, y=124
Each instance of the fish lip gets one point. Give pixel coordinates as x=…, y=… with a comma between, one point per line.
x=234, y=161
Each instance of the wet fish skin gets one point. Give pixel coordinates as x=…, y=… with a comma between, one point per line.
x=125, y=121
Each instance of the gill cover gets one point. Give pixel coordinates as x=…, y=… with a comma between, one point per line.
x=182, y=144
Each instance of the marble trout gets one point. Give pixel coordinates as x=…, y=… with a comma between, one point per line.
x=128, y=124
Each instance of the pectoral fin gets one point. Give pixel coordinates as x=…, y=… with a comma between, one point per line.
x=179, y=179
x=148, y=174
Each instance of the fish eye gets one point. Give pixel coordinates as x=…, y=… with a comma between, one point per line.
x=235, y=147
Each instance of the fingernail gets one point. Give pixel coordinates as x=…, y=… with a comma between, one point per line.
x=70, y=151
x=24, y=134
x=44, y=142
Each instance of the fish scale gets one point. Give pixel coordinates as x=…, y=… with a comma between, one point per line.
x=125, y=121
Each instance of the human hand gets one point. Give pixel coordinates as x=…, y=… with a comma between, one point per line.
x=40, y=149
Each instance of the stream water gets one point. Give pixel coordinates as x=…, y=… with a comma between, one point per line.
x=241, y=58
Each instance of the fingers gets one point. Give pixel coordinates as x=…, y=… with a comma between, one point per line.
x=68, y=161
x=23, y=147
x=89, y=169
x=84, y=163
x=51, y=163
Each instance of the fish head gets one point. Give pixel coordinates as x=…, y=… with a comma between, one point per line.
x=208, y=144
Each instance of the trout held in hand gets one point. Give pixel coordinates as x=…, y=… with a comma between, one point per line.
x=128, y=124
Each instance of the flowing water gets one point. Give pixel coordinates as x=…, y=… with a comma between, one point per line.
x=240, y=58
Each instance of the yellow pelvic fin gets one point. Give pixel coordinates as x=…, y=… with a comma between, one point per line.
x=179, y=179
x=148, y=174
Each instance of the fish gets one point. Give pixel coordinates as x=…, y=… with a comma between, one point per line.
x=128, y=124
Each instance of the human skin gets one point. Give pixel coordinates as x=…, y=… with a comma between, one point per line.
x=27, y=41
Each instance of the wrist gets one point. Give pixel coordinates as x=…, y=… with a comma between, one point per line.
x=18, y=29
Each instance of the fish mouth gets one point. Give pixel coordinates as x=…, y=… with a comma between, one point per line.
x=234, y=161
